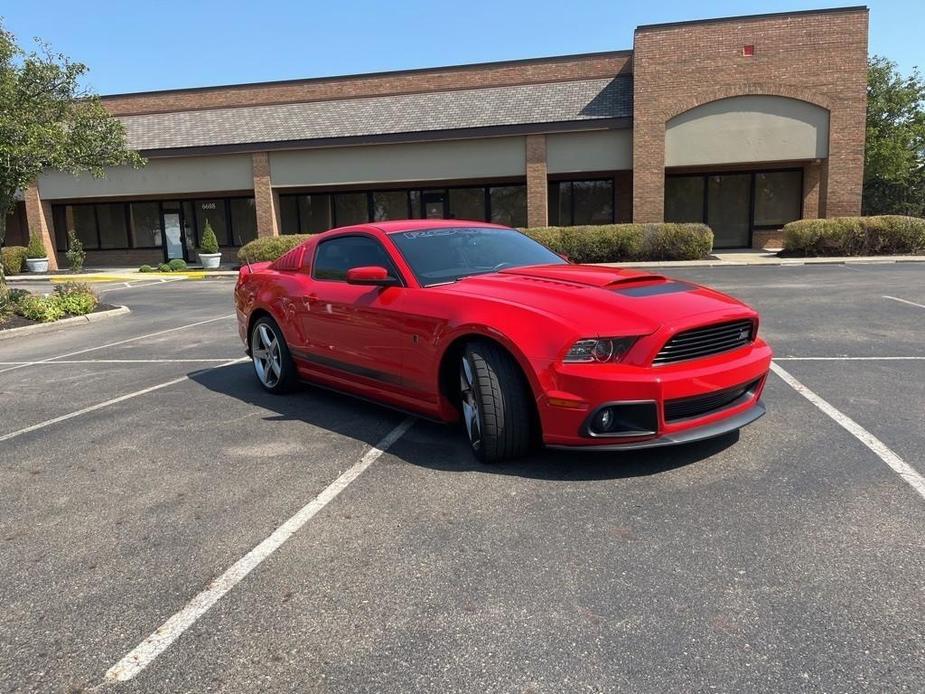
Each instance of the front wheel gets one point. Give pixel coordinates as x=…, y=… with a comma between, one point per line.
x=494, y=404
x=270, y=354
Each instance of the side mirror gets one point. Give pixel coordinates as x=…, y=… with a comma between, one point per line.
x=372, y=275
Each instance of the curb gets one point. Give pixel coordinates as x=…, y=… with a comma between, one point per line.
x=869, y=260
x=63, y=323
x=124, y=276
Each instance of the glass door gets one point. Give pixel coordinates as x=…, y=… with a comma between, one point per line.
x=173, y=236
x=729, y=210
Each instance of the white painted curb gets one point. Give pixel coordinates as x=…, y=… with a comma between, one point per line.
x=63, y=323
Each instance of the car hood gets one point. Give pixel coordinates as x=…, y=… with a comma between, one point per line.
x=605, y=300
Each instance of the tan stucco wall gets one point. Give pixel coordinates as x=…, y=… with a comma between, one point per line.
x=745, y=129
x=161, y=176
x=605, y=150
x=502, y=156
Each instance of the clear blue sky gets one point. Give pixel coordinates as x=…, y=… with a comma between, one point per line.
x=139, y=46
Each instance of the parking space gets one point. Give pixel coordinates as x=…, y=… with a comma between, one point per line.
x=786, y=558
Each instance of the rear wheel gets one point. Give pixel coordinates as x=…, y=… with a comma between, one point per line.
x=270, y=354
x=494, y=404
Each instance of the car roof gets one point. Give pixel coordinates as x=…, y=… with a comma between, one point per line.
x=397, y=225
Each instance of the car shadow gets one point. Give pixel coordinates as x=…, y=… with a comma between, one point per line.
x=443, y=447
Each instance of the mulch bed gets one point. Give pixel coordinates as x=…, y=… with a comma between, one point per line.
x=20, y=322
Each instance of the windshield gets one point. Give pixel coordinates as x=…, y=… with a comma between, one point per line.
x=438, y=256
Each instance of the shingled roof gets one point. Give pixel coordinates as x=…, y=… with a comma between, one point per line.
x=555, y=102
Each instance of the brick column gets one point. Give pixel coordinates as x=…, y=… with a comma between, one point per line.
x=38, y=214
x=623, y=197
x=264, y=200
x=811, y=189
x=537, y=186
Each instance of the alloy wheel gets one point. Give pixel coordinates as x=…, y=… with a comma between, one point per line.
x=268, y=362
x=470, y=405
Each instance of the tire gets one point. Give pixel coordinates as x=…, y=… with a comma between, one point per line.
x=270, y=355
x=494, y=403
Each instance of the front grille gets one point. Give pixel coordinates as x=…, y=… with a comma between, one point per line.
x=699, y=405
x=702, y=342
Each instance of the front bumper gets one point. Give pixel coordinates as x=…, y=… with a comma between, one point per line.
x=709, y=431
x=572, y=392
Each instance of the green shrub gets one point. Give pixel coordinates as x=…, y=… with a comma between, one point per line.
x=6, y=302
x=626, y=242
x=209, y=241
x=36, y=248
x=177, y=265
x=41, y=308
x=13, y=258
x=269, y=247
x=76, y=298
x=163, y=267
x=75, y=252
x=879, y=235
x=147, y=268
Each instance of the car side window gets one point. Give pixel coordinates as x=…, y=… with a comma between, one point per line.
x=334, y=257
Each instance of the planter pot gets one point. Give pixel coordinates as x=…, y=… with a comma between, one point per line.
x=37, y=264
x=210, y=261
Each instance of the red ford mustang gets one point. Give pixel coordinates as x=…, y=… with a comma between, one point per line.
x=454, y=320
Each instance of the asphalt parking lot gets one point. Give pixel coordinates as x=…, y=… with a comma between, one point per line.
x=139, y=462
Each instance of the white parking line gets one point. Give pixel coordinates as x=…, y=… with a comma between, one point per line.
x=120, y=361
x=142, y=655
x=140, y=283
x=903, y=301
x=849, y=358
x=113, y=401
x=897, y=464
x=120, y=342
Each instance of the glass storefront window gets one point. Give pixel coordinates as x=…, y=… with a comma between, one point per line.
x=391, y=204
x=593, y=202
x=573, y=203
x=146, y=224
x=112, y=227
x=414, y=199
x=314, y=213
x=243, y=220
x=508, y=205
x=467, y=203
x=288, y=214
x=778, y=197
x=82, y=219
x=684, y=199
x=212, y=211
x=351, y=208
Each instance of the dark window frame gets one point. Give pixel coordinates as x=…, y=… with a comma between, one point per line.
x=421, y=190
x=571, y=181
x=130, y=228
x=752, y=173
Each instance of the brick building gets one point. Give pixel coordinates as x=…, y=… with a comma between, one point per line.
x=742, y=122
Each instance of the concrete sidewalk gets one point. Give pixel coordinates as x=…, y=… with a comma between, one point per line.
x=718, y=259
x=760, y=257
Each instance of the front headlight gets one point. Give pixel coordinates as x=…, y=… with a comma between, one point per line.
x=601, y=350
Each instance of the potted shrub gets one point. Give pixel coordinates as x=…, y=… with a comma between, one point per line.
x=36, y=256
x=209, y=254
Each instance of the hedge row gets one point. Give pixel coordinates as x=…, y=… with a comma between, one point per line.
x=269, y=247
x=583, y=244
x=619, y=242
x=13, y=259
x=882, y=235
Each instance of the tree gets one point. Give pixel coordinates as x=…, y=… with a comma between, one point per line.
x=894, y=158
x=48, y=121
